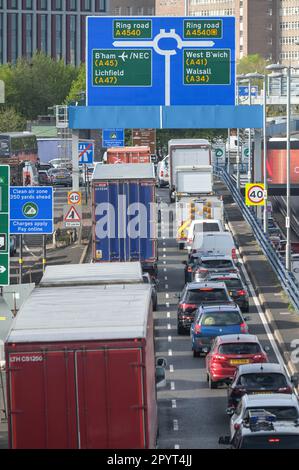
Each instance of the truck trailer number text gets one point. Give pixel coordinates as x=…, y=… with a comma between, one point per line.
x=26, y=358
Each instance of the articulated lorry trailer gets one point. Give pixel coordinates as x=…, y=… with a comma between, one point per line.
x=137, y=154
x=124, y=214
x=81, y=369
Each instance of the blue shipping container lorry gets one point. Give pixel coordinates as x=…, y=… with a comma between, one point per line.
x=124, y=214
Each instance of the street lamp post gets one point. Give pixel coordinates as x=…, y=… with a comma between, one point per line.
x=287, y=68
x=239, y=78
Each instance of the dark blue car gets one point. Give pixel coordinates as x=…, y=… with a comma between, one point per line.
x=212, y=321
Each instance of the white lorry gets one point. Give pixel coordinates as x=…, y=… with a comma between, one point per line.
x=186, y=152
x=194, y=180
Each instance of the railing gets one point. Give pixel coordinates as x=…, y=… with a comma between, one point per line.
x=287, y=279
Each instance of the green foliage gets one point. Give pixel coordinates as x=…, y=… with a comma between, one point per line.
x=11, y=121
x=34, y=85
x=252, y=63
x=78, y=87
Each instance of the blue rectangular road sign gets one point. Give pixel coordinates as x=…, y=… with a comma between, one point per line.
x=85, y=153
x=113, y=138
x=160, y=61
x=31, y=210
x=244, y=91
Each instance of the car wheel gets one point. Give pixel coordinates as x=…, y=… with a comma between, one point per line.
x=180, y=330
x=212, y=384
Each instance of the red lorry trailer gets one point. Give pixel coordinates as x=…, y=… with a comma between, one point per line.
x=137, y=154
x=81, y=369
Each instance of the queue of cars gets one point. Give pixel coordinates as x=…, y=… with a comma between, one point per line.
x=59, y=173
x=261, y=400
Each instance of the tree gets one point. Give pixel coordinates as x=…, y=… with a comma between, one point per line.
x=11, y=121
x=78, y=87
x=34, y=86
x=252, y=63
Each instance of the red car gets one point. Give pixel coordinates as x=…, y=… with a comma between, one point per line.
x=228, y=352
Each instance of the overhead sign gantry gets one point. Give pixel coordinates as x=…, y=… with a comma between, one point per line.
x=160, y=61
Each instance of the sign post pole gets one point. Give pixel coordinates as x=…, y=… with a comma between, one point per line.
x=4, y=225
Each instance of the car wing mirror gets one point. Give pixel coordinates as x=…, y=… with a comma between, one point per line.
x=295, y=380
x=267, y=348
x=230, y=411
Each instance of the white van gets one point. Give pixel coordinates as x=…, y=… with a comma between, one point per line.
x=214, y=243
x=163, y=172
x=203, y=226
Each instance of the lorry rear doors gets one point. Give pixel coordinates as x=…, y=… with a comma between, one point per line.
x=110, y=402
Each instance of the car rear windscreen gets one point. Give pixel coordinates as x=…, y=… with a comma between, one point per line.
x=197, y=296
x=275, y=441
x=239, y=348
x=217, y=263
x=206, y=227
x=282, y=413
x=233, y=283
x=266, y=381
x=221, y=319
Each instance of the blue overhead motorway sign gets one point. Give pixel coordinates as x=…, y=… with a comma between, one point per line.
x=31, y=210
x=113, y=138
x=160, y=61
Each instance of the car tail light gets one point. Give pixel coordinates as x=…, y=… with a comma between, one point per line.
x=236, y=426
x=189, y=269
x=218, y=358
x=285, y=390
x=162, y=173
x=243, y=327
x=241, y=292
x=273, y=440
x=234, y=254
x=197, y=329
x=258, y=357
x=188, y=306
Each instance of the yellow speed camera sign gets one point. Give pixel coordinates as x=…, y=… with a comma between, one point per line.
x=255, y=194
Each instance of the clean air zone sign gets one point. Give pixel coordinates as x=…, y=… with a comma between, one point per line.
x=255, y=194
x=160, y=61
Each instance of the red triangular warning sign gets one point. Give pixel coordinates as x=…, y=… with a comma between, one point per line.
x=72, y=215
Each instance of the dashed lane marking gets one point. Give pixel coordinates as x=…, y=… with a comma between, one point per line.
x=166, y=286
x=175, y=425
x=172, y=386
x=173, y=403
x=169, y=339
x=171, y=369
x=169, y=352
x=169, y=326
x=168, y=314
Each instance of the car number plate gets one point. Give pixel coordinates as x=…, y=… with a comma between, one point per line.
x=261, y=392
x=239, y=361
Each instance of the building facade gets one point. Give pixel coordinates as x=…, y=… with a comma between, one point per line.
x=266, y=27
x=56, y=27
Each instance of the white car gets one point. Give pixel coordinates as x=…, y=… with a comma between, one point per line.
x=200, y=226
x=284, y=406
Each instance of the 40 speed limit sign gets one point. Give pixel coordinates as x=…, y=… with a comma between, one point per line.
x=255, y=194
x=74, y=197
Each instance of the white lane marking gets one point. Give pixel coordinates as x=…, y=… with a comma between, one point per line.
x=169, y=326
x=177, y=446
x=164, y=256
x=261, y=313
x=285, y=313
x=164, y=243
x=167, y=304
x=168, y=314
x=163, y=238
x=173, y=403
x=175, y=425
x=164, y=249
x=172, y=386
x=166, y=286
x=165, y=270
x=167, y=295
x=171, y=369
x=169, y=339
x=164, y=262
x=169, y=352
x=165, y=277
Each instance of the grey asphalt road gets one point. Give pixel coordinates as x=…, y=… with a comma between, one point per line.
x=190, y=414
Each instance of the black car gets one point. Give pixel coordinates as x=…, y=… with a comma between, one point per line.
x=189, y=266
x=236, y=288
x=195, y=294
x=148, y=279
x=258, y=378
x=44, y=178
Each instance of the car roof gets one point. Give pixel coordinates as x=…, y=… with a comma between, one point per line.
x=238, y=338
x=261, y=368
x=220, y=307
x=200, y=285
x=270, y=399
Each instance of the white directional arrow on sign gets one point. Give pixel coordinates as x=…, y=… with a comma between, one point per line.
x=2, y=269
